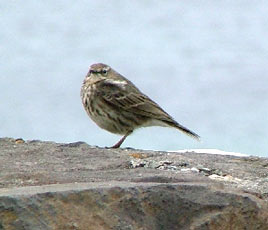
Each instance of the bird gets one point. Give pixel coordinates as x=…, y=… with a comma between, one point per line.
x=115, y=104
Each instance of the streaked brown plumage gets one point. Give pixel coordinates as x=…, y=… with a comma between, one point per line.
x=118, y=106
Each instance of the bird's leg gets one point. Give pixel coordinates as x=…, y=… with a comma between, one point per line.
x=119, y=143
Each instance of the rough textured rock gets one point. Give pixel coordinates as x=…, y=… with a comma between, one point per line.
x=45, y=185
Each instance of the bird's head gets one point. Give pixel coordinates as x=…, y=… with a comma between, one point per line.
x=102, y=72
x=98, y=72
x=99, y=69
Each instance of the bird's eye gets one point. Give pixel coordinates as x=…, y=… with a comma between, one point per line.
x=104, y=71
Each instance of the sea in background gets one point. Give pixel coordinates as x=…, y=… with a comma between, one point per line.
x=205, y=62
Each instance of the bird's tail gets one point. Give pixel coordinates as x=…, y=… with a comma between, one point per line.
x=183, y=129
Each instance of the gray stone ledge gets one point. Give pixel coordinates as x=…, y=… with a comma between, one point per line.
x=47, y=185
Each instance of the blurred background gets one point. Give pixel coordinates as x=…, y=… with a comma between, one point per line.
x=205, y=62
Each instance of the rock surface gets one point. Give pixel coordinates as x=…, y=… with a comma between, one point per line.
x=46, y=185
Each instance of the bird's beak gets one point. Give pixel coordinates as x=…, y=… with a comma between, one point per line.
x=89, y=73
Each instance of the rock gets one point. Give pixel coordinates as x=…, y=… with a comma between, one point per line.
x=46, y=185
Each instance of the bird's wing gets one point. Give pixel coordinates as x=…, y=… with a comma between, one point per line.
x=126, y=96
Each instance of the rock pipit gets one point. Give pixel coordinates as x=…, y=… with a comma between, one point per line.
x=118, y=106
